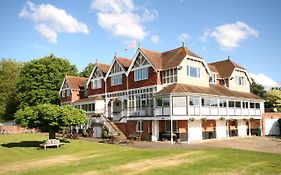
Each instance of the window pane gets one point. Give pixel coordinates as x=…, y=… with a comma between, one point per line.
x=231, y=104
x=237, y=104
x=257, y=105
x=166, y=102
x=193, y=71
x=252, y=105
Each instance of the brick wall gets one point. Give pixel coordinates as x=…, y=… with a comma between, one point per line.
x=15, y=129
x=121, y=87
x=152, y=79
x=182, y=124
x=96, y=91
x=129, y=128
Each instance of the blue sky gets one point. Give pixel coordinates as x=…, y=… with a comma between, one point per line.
x=83, y=31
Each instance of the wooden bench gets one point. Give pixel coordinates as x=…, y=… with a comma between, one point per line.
x=51, y=143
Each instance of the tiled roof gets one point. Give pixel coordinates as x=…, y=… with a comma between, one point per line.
x=214, y=69
x=75, y=82
x=90, y=99
x=124, y=61
x=225, y=67
x=103, y=67
x=213, y=89
x=168, y=59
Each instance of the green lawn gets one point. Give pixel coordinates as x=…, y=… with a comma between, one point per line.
x=19, y=155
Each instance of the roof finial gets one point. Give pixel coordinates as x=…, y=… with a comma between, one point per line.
x=183, y=45
x=96, y=61
x=115, y=53
x=139, y=45
x=228, y=57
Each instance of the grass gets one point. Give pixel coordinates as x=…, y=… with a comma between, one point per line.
x=19, y=154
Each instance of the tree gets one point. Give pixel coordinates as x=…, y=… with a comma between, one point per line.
x=273, y=99
x=51, y=117
x=257, y=89
x=9, y=72
x=40, y=80
x=87, y=70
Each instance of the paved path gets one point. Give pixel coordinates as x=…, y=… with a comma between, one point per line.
x=262, y=144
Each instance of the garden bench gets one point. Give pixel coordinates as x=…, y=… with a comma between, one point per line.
x=51, y=143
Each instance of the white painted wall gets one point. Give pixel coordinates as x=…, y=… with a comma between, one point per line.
x=99, y=104
x=236, y=87
x=271, y=127
x=155, y=131
x=242, y=128
x=183, y=78
x=221, y=129
x=195, y=130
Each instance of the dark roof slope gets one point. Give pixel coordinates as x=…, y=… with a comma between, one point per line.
x=103, y=67
x=213, y=89
x=225, y=67
x=168, y=59
x=75, y=82
x=124, y=61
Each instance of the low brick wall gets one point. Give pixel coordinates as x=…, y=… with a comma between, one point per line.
x=14, y=129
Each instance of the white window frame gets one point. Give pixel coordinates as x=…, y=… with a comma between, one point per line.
x=198, y=73
x=141, y=74
x=240, y=80
x=139, y=126
x=96, y=83
x=68, y=92
x=170, y=76
x=63, y=93
x=116, y=80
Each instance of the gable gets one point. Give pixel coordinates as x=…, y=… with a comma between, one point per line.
x=65, y=85
x=116, y=68
x=140, y=61
x=97, y=74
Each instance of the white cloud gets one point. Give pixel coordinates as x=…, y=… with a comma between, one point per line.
x=149, y=15
x=204, y=37
x=155, y=39
x=264, y=80
x=120, y=18
x=228, y=36
x=184, y=37
x=49, y=20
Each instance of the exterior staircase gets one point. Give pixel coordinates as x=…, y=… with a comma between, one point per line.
x=114, y=131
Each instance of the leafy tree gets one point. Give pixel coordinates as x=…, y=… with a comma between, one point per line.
x=9, y=72
x=40, y=80
x=257, y=89
x=273, y=99
x=87, y=70
x=51, y=117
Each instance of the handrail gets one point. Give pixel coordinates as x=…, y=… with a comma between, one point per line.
x=108, y=121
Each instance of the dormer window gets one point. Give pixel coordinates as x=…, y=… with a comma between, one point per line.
x=239, y=80
x=212, y=78
x=193, y=71
x=116, y=80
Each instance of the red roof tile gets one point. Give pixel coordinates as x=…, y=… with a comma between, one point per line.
x=90, y=99
x=124, y=61
x=75, y=82
x=225, y=67
x=168, y=59
x=103, y=67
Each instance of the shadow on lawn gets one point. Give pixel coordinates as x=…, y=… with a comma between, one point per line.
x=22, y=144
